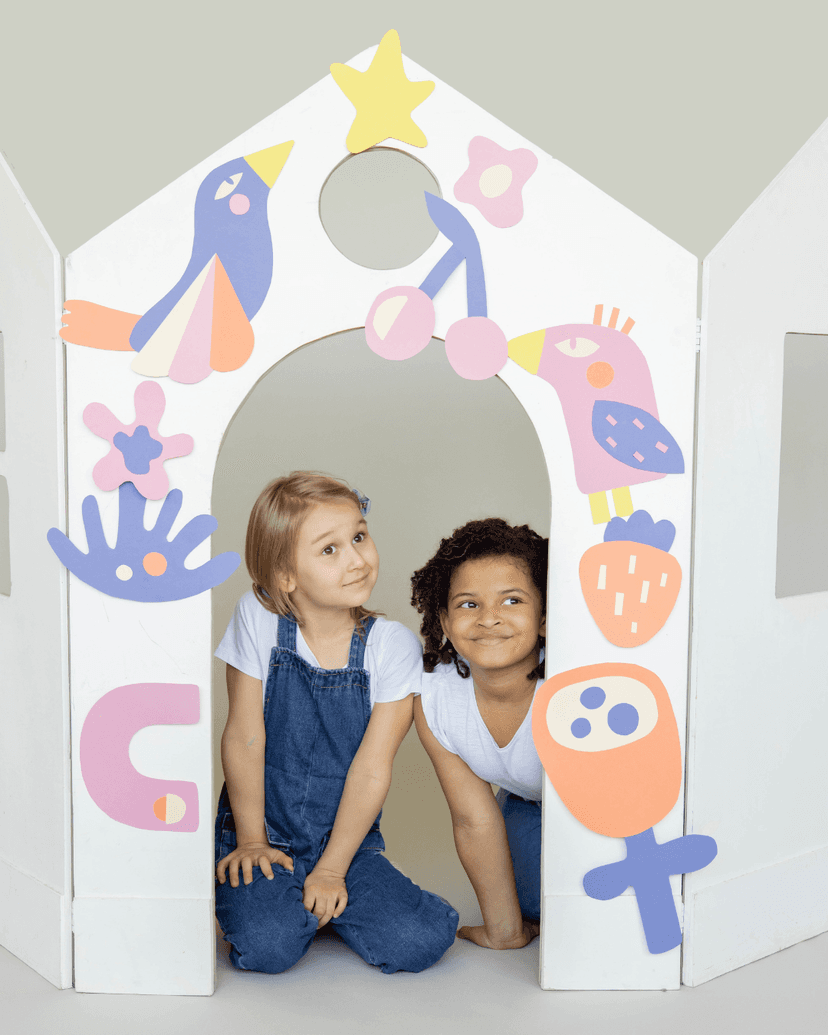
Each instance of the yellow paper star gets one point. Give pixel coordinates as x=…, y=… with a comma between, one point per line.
x=383, y=97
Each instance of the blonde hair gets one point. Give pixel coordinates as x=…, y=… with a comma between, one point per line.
x=273, y=531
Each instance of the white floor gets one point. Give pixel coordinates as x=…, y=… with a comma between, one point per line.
x=469, y=990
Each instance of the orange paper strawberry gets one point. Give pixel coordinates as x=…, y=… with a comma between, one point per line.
x=630, y=582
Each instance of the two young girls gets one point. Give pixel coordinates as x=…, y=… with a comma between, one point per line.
x=322, y=693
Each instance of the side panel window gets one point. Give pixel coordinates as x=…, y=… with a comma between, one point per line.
x=2, y=395
x=5, y=563
x=801, y=539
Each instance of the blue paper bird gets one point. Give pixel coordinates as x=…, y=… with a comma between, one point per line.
x=203, y=323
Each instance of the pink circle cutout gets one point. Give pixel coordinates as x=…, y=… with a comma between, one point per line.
x=476, y=347
x=400, y=323
x=239, y=204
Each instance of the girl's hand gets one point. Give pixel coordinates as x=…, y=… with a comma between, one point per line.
x=248, y=855
x=479, y=936
x=325, y=894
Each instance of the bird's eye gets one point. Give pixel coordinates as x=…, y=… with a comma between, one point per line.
x=229, y=186
x=577, y=348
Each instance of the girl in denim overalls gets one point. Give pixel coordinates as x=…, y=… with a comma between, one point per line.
x=307, y=774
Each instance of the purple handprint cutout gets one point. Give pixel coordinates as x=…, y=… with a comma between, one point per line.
x=143, y=565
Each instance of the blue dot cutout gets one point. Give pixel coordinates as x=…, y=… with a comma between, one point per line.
x=593, y=697
x=622, y=719
x=581, y=728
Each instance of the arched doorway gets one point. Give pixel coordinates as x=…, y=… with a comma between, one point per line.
x=432, y=451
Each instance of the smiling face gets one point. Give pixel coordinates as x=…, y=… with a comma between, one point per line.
x=494, y=616
x=336, y=562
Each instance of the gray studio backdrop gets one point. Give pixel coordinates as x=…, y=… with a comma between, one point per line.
x=432, y=451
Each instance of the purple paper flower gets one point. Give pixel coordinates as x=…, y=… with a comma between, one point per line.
x=494, y=180
x=137, y=452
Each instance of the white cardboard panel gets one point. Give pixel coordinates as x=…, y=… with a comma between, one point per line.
x=145, y=946
x=721, y=920
x=757, y=764
x=575, y=247
x=618, y=960
x=36, y=924
x=34, y=695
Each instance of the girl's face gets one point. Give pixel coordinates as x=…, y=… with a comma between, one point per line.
x=494, y=614
x=336, y=561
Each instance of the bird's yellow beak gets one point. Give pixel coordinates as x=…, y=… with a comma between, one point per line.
x=267, y=164
x=526, y=350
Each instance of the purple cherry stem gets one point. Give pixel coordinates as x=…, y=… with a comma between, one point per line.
x=454, y=225
x=441, y=272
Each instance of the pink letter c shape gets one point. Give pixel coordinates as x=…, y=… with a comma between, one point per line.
x=113, y=783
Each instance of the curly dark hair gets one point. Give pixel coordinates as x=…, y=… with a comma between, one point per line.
x=492, y=537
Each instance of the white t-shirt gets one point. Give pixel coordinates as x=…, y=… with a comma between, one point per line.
x=451, y=711
x=393, y=655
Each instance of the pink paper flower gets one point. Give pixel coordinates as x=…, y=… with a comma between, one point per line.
x=137, y=452
x=494, y=180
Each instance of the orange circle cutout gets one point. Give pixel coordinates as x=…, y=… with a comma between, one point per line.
x=155, y=564
x=600, y=375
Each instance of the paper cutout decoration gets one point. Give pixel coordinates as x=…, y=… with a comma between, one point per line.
x=630, y=582
x=608, y=741
x=494, y=180
x=400, y=322
x=203, y=323
x=383, y=97
x=143, y=565
x=137, y=452
x=635, y=438
x=116, y=787
x=586, y=382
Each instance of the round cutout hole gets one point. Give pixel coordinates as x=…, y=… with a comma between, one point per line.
x=373, y=208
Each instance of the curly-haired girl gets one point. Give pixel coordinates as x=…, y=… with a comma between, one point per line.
x=483, y=601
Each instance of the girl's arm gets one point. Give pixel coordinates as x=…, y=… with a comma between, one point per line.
x=366, y=788
x=482, y=845
x=242, y=757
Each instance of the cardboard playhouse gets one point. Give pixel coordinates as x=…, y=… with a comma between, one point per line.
x=682, y=722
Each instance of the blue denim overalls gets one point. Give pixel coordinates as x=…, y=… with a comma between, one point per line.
x=315, y=720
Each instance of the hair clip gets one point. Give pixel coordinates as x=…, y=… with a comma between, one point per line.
x=364, y=502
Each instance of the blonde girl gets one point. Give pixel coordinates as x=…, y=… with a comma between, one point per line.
x=320, y=694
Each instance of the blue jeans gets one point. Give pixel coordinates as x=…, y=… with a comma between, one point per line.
x=315, y=720
x=523, y=829
x=389, y=921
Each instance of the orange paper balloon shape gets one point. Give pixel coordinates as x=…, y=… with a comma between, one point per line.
x=630, y=589
x=607, y=738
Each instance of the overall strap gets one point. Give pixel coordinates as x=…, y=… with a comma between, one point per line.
x=356, y=659
x=287, y=633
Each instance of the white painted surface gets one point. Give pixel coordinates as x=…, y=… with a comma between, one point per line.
x=617, y=960
x=575, y=247
x=755, y=914
x=120, y=945
x=35, y=846
x=757, y=765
